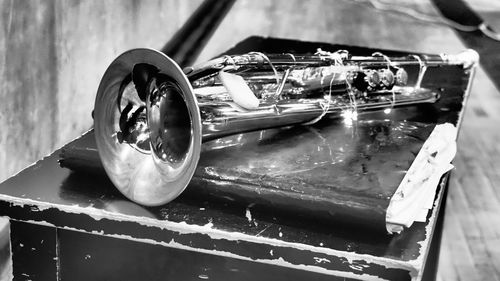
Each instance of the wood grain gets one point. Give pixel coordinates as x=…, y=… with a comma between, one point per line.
x=471, y=240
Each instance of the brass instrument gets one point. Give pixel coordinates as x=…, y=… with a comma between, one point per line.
x=151, y=117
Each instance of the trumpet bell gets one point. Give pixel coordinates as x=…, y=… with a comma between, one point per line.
x=147, y=126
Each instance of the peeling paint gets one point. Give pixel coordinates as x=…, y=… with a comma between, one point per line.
x=321, y=260
x=358, y=266
x=207, y=229
x=429, y=228
x=278, y=261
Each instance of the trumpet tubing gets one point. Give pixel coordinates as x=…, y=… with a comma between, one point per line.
x=151, y=117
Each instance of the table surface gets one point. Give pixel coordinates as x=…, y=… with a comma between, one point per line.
x=46, y=194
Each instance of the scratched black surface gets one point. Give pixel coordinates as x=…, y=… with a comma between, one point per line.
x=84, y=261
x=34, y=256
x=209, y=201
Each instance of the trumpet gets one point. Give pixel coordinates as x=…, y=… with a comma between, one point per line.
x=151, y=117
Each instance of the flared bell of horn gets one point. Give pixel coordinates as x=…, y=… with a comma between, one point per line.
x=147, y=126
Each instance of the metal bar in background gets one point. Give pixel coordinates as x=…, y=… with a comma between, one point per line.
x=487, y=45
x=187, y=43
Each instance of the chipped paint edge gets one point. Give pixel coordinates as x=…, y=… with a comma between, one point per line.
x=216, y=234
x=172, y=244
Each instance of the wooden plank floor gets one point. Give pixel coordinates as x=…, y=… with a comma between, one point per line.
x=470, y=249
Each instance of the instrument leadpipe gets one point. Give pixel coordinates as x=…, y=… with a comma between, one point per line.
x=151, y=118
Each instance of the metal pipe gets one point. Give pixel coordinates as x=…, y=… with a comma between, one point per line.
x=187, y=43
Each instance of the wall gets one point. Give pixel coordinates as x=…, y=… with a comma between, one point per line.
x=53, y=52
x=52, y=55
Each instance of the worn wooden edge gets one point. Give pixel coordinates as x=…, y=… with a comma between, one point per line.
x=206, y=239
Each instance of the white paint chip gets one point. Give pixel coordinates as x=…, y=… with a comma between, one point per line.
x=248, y=215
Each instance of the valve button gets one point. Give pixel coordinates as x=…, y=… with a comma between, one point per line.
x=401, y=77
x=372, y=78
x=386, y=77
